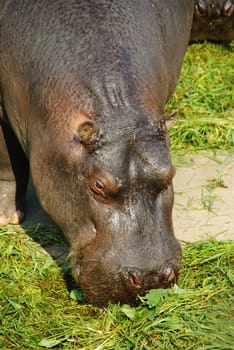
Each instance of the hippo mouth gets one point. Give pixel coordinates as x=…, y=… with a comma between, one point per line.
x=101, y=287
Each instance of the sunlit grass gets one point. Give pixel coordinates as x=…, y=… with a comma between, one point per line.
x=204, y=98
x=38, y=312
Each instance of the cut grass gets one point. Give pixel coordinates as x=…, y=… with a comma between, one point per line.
x=37, y=312
x=205, y=99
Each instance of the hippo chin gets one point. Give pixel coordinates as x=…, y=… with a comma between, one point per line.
x=83, y=86
x=213, y=20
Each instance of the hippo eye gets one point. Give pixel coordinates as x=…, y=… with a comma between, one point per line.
x=99, y=187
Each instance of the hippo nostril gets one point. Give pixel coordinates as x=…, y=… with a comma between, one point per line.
x=135, y=281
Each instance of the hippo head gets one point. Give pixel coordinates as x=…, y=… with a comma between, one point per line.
x=110, y=190
x=126, y=244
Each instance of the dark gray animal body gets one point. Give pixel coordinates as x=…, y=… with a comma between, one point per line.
x=213, y=20
x=83, y=85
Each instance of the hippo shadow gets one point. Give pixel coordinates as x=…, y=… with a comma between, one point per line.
x=39, y=227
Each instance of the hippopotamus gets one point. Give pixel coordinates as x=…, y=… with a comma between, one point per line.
x=83, y=88
x=213, y=20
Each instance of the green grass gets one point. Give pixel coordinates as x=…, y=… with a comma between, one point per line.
x=38, y=311
x=204, y=98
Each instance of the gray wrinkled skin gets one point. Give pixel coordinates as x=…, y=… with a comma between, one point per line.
x=83, y=85
x=213, y=20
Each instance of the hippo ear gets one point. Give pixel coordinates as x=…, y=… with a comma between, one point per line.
x=201, y=7
x=169, y=119
x=87, y=132
x=228, y=8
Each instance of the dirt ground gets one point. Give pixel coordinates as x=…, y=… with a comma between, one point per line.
x=204, y=198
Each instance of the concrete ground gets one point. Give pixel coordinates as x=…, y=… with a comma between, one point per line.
x=204, y=198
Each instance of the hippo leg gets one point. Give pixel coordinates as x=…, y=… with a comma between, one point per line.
x=14, y=174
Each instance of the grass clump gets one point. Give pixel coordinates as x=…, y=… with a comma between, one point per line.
x=205, y=99
x=37, y=311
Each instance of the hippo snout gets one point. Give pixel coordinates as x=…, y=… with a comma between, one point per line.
x=102, y=284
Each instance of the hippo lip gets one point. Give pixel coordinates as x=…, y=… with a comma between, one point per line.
x=103, y=293
x=100, y=287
